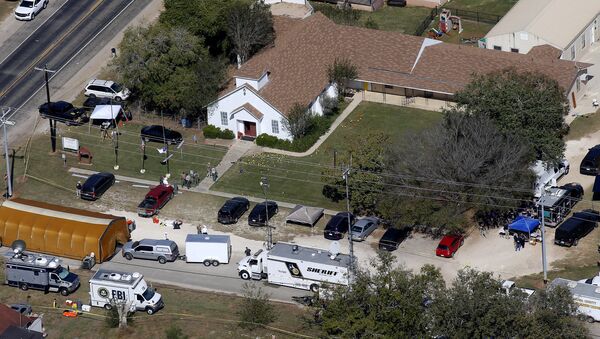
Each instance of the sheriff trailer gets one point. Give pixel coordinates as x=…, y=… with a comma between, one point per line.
x=296, y=266
x=586, y=296
x=29, y=270
x=107, y=287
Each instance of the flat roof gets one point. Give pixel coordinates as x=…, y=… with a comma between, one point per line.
x=552, y=197
x=315, y=255
x=207, y=238
x=576, y=287
x=32, y=259
x=118, y=277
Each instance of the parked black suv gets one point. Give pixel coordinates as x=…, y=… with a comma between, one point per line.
x=338, y=225
x=155, y=133
x=590, y=165
x=392, y=238
x=64, y=112
x=232, y=210
x=261, y=213
x=96, y=185
x=573, y=229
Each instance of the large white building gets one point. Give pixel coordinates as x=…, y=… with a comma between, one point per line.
x=570, y=26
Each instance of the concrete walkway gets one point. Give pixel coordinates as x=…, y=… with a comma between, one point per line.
x=356, y=100
x=151, y=183
x=235, y=152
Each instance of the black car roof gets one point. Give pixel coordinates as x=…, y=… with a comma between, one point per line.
x=570, y=224
x=394, y=233
x=592, y=153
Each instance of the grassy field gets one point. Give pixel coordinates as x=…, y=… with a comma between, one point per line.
x=400, y=19
x=497, y=7
x=298, y=179
x=47, y=166
x=572, y=273
x=198, y=314
x=583, y=125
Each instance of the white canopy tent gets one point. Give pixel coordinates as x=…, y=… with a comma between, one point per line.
x=106, y=112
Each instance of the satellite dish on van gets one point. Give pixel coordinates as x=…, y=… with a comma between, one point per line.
x=18, y=246
x=334, y=249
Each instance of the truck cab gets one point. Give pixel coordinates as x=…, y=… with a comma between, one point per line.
x=253, y=266
x=63, y=281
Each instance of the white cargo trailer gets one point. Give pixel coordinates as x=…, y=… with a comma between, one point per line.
x=586, y=296
x=296, y=266
x=107, y=287
x=208, y=249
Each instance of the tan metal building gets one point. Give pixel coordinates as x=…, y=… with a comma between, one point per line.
x=61, y=231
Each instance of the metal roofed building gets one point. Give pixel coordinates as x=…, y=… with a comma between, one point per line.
x=568, y=26
x=308, y=254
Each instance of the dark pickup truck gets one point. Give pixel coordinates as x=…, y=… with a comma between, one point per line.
x=64, y=112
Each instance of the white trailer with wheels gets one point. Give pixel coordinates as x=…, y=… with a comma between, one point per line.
x=297, y=266
x=208, y=249
x=586, y=296
x=107, y=287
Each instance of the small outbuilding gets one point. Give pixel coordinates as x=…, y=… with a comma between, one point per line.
x=305, y=215
x=61, y=231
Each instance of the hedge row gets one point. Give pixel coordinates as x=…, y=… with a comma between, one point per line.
x=320, y=125
x=214, y=132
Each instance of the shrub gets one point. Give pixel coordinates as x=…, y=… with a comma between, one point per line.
x=319, y=125
x=211, y=132
x=227, y=134
x=175, y=332
x=255, y=310
x=214, y=132
x=330, y=105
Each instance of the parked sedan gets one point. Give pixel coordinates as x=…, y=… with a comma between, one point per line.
x=392, y=238
x=338, y=225
x=262, y=212
x=364, y=227
x=449, y=245
x=590, y=165
x=232, y=210
x=96, y=185
x=156, y=198
x=157, y=133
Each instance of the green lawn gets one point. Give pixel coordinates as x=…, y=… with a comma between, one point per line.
x=497, y=7
x=471, y=30
x=298, y=179
x=583, y=125
x=48, y=167
x=401, y=19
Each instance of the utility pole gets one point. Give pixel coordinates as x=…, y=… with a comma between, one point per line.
x=52, y=121
x=544, y=264
x=5, y=122
x=116, y=137
x=166, y=144
x=264, y=183
x=351, y=244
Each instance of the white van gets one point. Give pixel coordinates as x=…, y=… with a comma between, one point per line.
x=106, y=89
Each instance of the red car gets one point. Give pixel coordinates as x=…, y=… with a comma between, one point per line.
x=155, y=200
x=449, y=245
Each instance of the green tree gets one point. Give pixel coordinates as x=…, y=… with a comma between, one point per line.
x=458, y=165
x=255, y=310
x=168, y=69
x=205, y=19
x=298, y=121
x=529, y=105
x=249, y=28
x=340, y=73
x=366, y=157
x=388, y=303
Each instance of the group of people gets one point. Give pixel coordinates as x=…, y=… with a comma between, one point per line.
x=189, y=179
x=519, y=240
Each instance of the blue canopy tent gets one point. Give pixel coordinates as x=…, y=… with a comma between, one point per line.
x=524, y=224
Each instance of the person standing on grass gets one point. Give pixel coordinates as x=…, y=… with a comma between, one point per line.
x=182, y=176
x=188, y=180
x=208, y=170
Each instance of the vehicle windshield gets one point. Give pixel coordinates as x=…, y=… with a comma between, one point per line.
x=148, y=203
x=116, y=87
x=148, y=294
x=443, y=247
x=28, y=4
x=357, y=229
x=62, y=273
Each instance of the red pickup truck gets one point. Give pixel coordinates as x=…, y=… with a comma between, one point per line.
x=155, y=200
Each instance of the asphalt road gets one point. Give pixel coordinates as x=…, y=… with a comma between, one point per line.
x=223, y=278
x=72, y=32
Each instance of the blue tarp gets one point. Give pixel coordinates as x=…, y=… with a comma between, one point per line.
x=524, y=224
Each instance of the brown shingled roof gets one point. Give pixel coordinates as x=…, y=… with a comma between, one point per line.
x=251, y=109
x=298, y=60
x=544, y=52
x=9, y=317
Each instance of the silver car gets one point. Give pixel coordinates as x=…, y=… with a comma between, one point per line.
x=364, y=227
x=161, y=250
